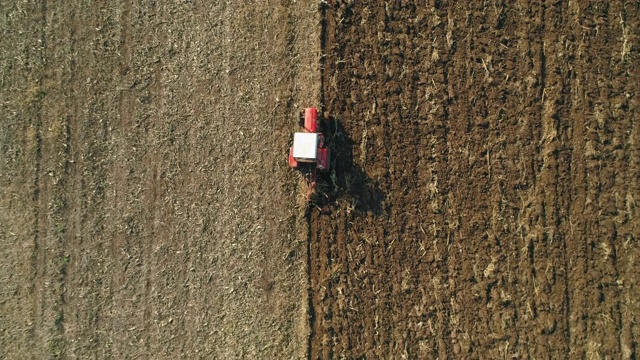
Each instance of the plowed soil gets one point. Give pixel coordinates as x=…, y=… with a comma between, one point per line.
x=484, y=200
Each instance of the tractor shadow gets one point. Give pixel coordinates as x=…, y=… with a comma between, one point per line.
x=346, y=180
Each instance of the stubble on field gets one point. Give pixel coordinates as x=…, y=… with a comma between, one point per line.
x=146, y=204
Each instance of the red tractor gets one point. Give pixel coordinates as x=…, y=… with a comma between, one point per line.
x=309, y=147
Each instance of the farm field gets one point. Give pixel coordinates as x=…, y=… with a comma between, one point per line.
x=487, y=181
x=144, y=208
x=482, y=203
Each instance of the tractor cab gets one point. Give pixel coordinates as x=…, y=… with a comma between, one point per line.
x=308, y=145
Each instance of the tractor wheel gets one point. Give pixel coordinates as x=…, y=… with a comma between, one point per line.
x=327, y=162
x=301, y=118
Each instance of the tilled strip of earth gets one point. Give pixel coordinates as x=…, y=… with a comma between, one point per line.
x=483, y=201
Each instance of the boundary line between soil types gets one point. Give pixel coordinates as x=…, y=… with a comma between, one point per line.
x=311, y=311
x=322, y=105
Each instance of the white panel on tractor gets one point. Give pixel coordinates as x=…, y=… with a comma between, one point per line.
x=305, y=145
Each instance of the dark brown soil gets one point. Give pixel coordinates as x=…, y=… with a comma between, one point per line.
x=484, y=195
